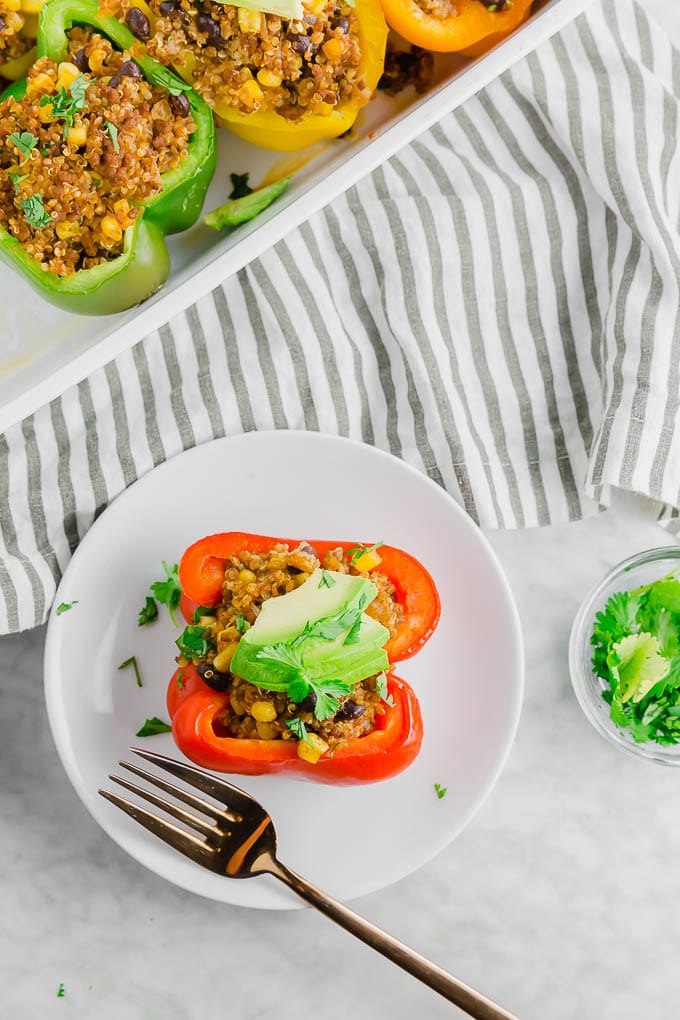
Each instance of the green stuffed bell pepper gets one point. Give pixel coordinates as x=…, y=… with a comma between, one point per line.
x=123, y=156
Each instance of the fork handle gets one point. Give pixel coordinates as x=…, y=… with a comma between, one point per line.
x=466, y=998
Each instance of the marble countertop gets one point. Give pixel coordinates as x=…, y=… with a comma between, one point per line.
x=557, y=900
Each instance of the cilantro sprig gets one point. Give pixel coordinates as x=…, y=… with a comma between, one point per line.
x=192, y=642
x=168, y=592
x=636, y=652
x=24, y=141
x=67, y=102
x=153, y=726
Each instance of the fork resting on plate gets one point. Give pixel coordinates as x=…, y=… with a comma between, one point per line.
x=239, y=841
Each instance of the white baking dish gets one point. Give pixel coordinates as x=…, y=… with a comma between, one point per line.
x=43, y=350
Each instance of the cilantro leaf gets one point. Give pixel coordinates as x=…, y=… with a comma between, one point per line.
x=169, y=591
x=64, y=607
x=241, y=624
x=327, y=693
x=24, y=141
x=165, y=79
x=327, y=580
x=148, y=613
x=359, y=550
x=381, y=689
x=239, y=186
x=192, y=642
x=153, y=726
x=200, y=611
x=60, y=991
x=35, y=213
x=637, y=665
x=132, y=661
x=440, y=790
x=298, y=729
x=353, y=632
x=112, y=131
x=180, y=679
x=16, y=179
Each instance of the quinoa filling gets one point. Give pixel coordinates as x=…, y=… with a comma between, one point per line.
x=255, y=713
x=86, y=145
x=12, y=44
x=250, y=61
x=445, y=9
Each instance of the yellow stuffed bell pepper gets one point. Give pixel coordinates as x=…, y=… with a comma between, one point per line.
x=18, y=32
x=272, y=131
x=469, y=27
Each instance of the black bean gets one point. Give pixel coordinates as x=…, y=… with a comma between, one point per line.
x=342, y=23
x=299, y=43
x=180, y=106
x=128, y=69
x=350, y=710
x=168, y=7
x=80, y=60
x=216, y=681
x=309, y=19
x=2, y=23
x=307, y=705
x=204, y=23
x=138, y=23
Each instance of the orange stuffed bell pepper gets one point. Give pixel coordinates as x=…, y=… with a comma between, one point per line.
x=447, y=26
x=284, y=665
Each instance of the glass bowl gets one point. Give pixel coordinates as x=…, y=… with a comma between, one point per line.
x=632, y=573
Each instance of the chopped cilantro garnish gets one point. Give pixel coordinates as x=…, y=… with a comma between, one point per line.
x=16, y=179
x=200, y=611
x=153, y=726
x=239, y=186
x=298, y=729
x=327, y=580
x=440, y=790
x=241, y=624
x=64, y=607
x=180, y=679
x=35, y=213
x=288, y=674
x=165, y=79
x=381, y=688
x=113, y=134
x=132, y=661
x=360, y=550
x=60, y=991
x=148, y=613
x=636, y=652
x=192, y=642
x=169, y=591
x=353, y=632
x=24, y=141
x=66, y=103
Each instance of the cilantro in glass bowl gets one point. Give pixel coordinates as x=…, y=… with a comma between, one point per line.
x=624, y=655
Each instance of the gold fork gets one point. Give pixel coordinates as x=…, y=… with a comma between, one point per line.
x=239, y=841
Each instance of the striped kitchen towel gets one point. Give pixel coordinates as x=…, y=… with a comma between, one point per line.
x=498, y=304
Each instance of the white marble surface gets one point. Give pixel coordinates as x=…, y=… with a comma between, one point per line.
x=558, y=899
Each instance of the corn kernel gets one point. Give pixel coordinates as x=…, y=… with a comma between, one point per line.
x=315, y=6
x=300, y=579
x=266, y=731
x=263, y=711
x=111, y=228
x=249, y=21
x=333, y=50
x=247, y=576
x=45, y=113
x=39, y=84
x=13, y=5
x=66, y=74
x=324, y=109
x=223, y=659
x=97, y=59
x=250, y=92
x=77, y=135
x=312, y=751
x=367, y=561
x=122, y=210
x=268, y=78
x=13, y=22
x=67, y=229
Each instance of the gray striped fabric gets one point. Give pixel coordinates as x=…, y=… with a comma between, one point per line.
x=498, y=305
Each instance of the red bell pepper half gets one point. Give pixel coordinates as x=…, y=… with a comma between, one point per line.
x=195, y=710
x=201, y=574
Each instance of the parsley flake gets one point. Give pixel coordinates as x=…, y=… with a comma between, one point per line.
x=132, y=661
x=148, y=613
x=153, y=726
x=440, y=790
x=169, y=591
x=35, y=213
x=24, y=141
x=327, y=580
x=64, y=607
x=112, y=131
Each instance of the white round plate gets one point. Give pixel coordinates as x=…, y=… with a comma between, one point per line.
x=468, y=678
